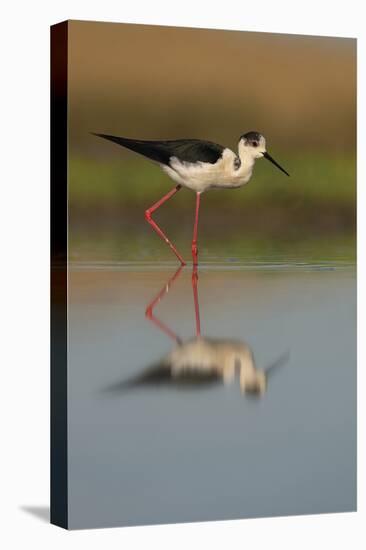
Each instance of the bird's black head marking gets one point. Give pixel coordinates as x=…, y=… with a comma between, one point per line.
x=252, y=138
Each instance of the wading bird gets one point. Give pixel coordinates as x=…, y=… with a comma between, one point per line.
x=198, y=165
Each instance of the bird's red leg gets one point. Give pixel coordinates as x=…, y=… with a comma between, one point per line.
x=149, y=313
x=155, y=226
x=195, y=231
x=195, y=298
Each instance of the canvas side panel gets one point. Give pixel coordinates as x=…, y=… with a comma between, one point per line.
x=59, y=127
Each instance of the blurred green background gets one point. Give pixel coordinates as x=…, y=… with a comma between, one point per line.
x=150, y=82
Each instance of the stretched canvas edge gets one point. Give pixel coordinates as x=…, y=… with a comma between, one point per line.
x=59, y=210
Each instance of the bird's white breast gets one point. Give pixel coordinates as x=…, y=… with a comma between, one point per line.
x=201, y=176
x=206, y=355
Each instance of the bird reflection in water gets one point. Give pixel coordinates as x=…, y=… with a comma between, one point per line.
x=201, y=361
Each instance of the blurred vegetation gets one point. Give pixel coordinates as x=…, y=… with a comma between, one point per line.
x=168, y=83
x=314, y=179
x=308, y=216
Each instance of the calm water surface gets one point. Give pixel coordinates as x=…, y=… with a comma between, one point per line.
x=229, y=437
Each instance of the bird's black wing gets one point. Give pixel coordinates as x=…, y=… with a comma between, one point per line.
x=185, y=150
x=161, y=375
x=155, y=375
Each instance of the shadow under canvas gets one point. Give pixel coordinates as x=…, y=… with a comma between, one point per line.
x=40, y=512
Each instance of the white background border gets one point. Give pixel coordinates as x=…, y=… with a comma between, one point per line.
x=24, y=204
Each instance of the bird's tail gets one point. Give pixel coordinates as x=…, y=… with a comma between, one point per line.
x=152, y=150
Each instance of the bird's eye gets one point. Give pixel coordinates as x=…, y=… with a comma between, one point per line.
x=255, y=143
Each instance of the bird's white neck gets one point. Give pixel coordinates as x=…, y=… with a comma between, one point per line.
x=246, y=158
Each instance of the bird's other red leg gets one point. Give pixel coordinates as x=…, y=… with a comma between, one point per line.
x=195, y=299
x=154, y=225
x=149, y=313
x=195, y=231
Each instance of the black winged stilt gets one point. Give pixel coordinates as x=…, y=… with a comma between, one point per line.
x=198, y=165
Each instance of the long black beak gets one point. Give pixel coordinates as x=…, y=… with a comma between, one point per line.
x=277, y=364
x=268, y=157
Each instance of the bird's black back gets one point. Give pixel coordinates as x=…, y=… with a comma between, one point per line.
x=161, y=375
x=185, y=150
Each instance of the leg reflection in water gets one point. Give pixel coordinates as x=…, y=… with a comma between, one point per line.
x=200, y=361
